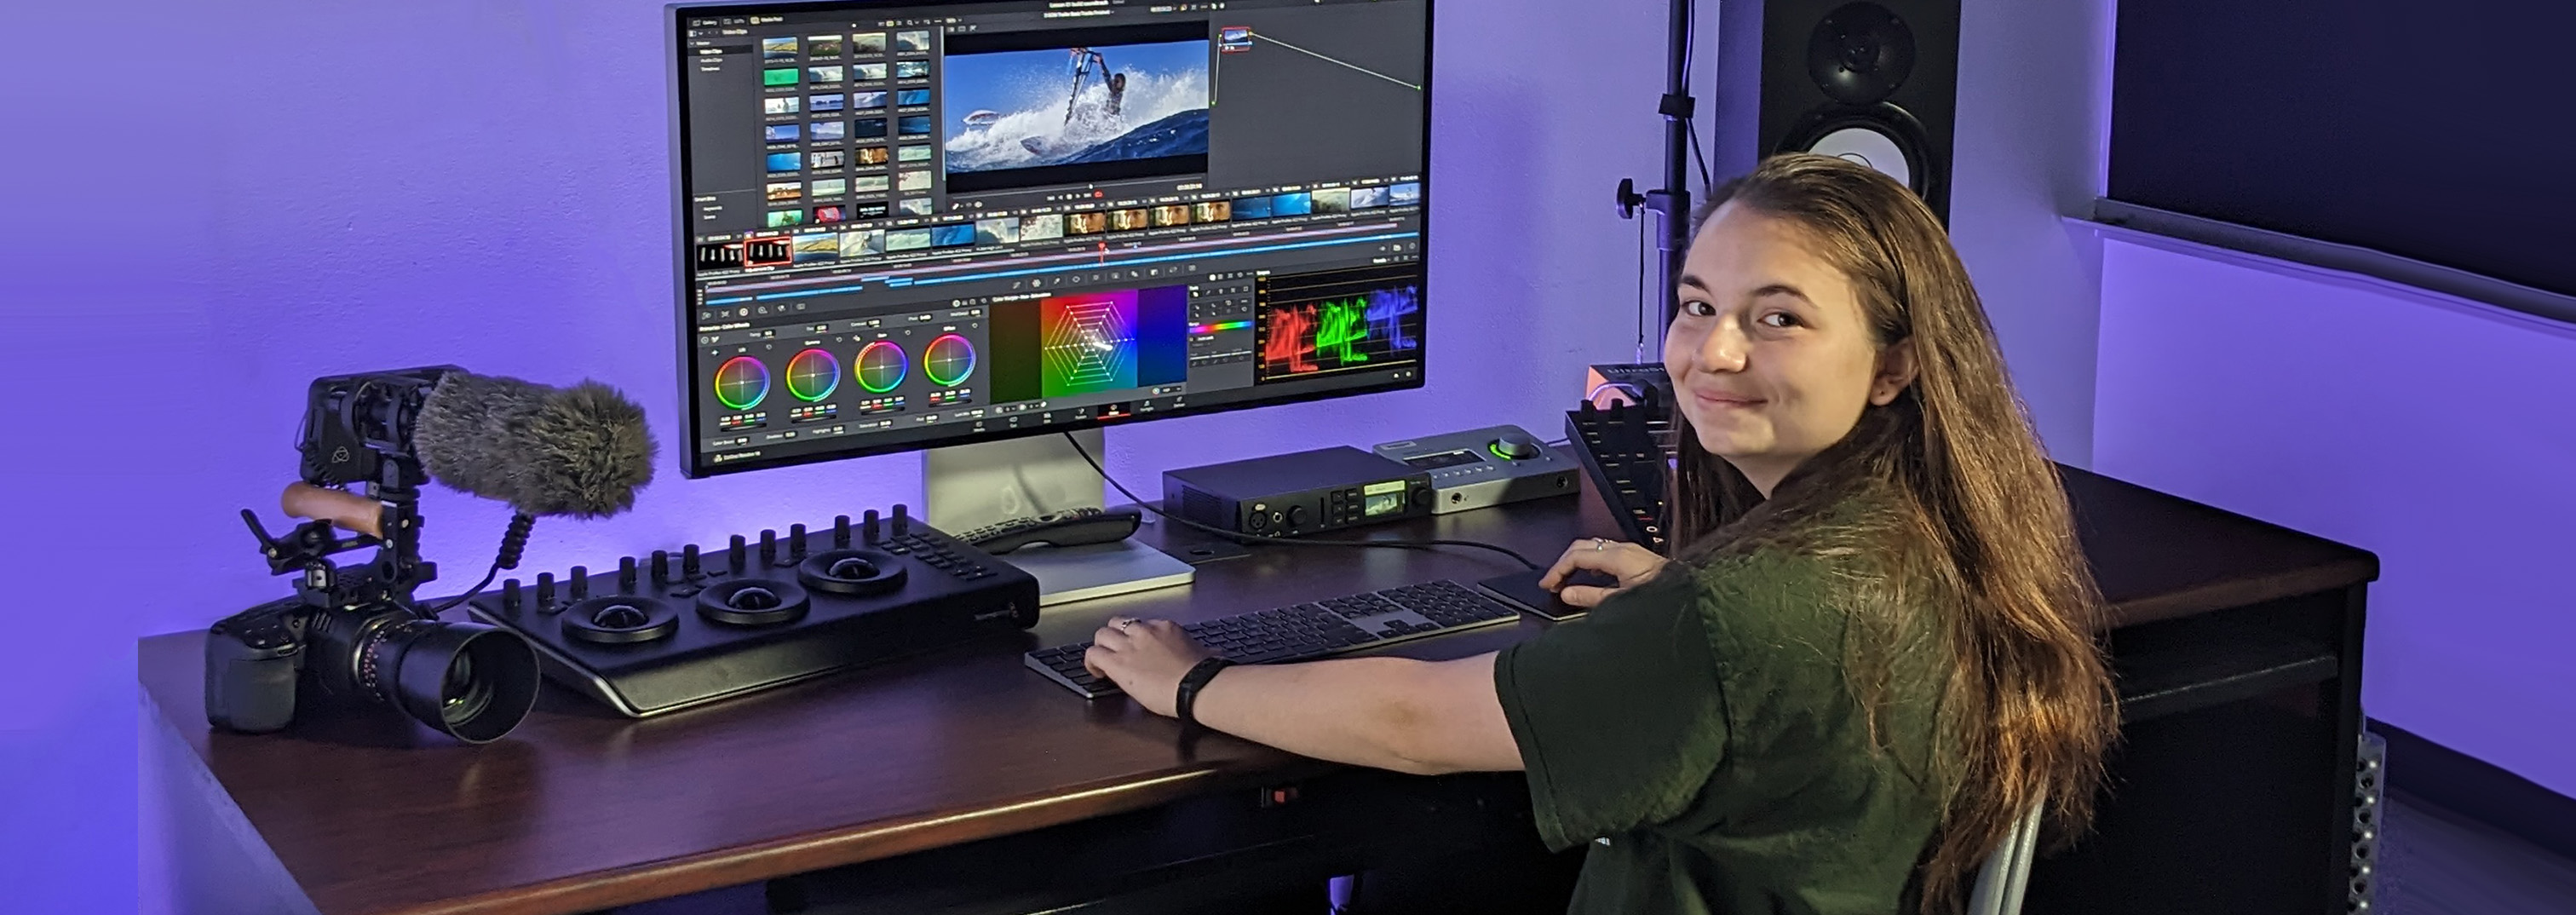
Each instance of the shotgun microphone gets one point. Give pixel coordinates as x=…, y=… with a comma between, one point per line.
x=580, y=452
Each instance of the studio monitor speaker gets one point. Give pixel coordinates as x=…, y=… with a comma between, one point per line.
x=1873, y=81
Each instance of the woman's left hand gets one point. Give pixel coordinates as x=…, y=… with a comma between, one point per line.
x=1146, y=658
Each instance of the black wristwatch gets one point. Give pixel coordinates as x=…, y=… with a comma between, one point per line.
x=1191, y=683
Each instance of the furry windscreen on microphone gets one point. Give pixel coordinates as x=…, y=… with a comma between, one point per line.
x=591, y=453
x=547, y=451
x=462, y=436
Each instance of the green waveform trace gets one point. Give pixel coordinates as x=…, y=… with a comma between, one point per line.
x=1343, y=325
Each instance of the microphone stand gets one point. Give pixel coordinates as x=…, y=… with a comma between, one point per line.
x=1672, y=202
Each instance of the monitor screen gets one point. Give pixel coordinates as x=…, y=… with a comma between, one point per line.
x=911, y=225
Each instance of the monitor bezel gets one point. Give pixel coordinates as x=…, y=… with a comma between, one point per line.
x=684, y=248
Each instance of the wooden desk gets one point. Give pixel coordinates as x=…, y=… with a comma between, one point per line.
x=2226, y=627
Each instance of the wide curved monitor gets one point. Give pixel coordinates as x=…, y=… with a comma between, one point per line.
x=910, y=225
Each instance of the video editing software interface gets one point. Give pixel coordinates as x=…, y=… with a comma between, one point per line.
x=921, y=225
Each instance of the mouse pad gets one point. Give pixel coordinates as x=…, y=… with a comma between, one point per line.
x=1522, y=588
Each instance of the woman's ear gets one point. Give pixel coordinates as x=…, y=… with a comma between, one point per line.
x=1896, y=369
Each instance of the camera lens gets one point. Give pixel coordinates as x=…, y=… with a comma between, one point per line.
x=470, y=681
x=464, y=696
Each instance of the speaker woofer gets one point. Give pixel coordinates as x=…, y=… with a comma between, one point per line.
x=1860, y=54
x=1883, y=137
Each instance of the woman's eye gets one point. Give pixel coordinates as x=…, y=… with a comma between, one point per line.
x=1698, y=309
x=1779, y=319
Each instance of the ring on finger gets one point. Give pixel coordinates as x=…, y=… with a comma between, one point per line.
x=1599, y=544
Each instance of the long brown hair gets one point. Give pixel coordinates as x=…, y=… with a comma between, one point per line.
x=1974, y=507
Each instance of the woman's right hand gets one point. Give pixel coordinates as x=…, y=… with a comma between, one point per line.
x=1627, y=562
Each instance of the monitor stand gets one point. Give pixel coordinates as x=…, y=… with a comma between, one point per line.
x=970, y=486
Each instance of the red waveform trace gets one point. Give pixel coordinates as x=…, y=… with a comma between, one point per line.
x=1291, y=340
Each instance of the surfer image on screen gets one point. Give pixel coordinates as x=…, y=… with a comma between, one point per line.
x=1078, y=105
x=1085, y=62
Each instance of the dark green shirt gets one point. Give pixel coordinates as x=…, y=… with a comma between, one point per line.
x=1702, y=725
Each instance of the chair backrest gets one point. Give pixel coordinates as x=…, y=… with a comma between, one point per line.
x=1999, y=882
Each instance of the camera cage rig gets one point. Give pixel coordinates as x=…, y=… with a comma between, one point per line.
x=357, y=430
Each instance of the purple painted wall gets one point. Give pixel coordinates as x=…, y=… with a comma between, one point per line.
x=2028, y=154
x=2438, y=433
x=290, y=189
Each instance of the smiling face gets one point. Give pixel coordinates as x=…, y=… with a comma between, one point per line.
x=1771, y=355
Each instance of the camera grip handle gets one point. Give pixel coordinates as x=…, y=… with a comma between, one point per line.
x=349, y=511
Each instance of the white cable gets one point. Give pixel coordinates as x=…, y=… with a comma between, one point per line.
x=1331, y=60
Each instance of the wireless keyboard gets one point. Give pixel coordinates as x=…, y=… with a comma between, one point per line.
x=1305, y=632
x=1072, y=527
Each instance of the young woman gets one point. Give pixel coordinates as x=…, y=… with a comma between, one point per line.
x=1873, y=650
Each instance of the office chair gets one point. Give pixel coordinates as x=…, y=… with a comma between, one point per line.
x=1999, y=882
x=1998, y=890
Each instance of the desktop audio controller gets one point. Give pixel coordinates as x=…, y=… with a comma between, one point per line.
x=673, y=631
x=1484, y=467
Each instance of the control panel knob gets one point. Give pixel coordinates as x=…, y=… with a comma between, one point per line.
x=578, y=584
x=626, y=574
x=689, y=561
x=902, y=523
x=734, y=555
x=545, y=590
x=1514, y=449
x=661, y=567
x=868, y=527
x=768, y=546
x=841, y=532
x=1296, y=517
x=796, y=541
x=510, y=595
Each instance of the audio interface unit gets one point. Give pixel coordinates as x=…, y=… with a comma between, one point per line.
x=1477, y=468
x=1302, y=493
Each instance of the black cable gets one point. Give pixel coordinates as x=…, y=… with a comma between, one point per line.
x=1690, y=54
x=1706, y=187
x=1640, y=354
x=469, y=595
x=514, y=544
x=1284, y=541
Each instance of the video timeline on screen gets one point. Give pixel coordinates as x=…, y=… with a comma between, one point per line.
x=822, y=203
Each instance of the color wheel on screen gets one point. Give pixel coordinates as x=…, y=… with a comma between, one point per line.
x=742, y=383
x=882, y=366
x=948, y=360
x=813, y=375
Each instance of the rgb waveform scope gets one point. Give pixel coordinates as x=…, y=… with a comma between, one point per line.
x=1339, y=321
